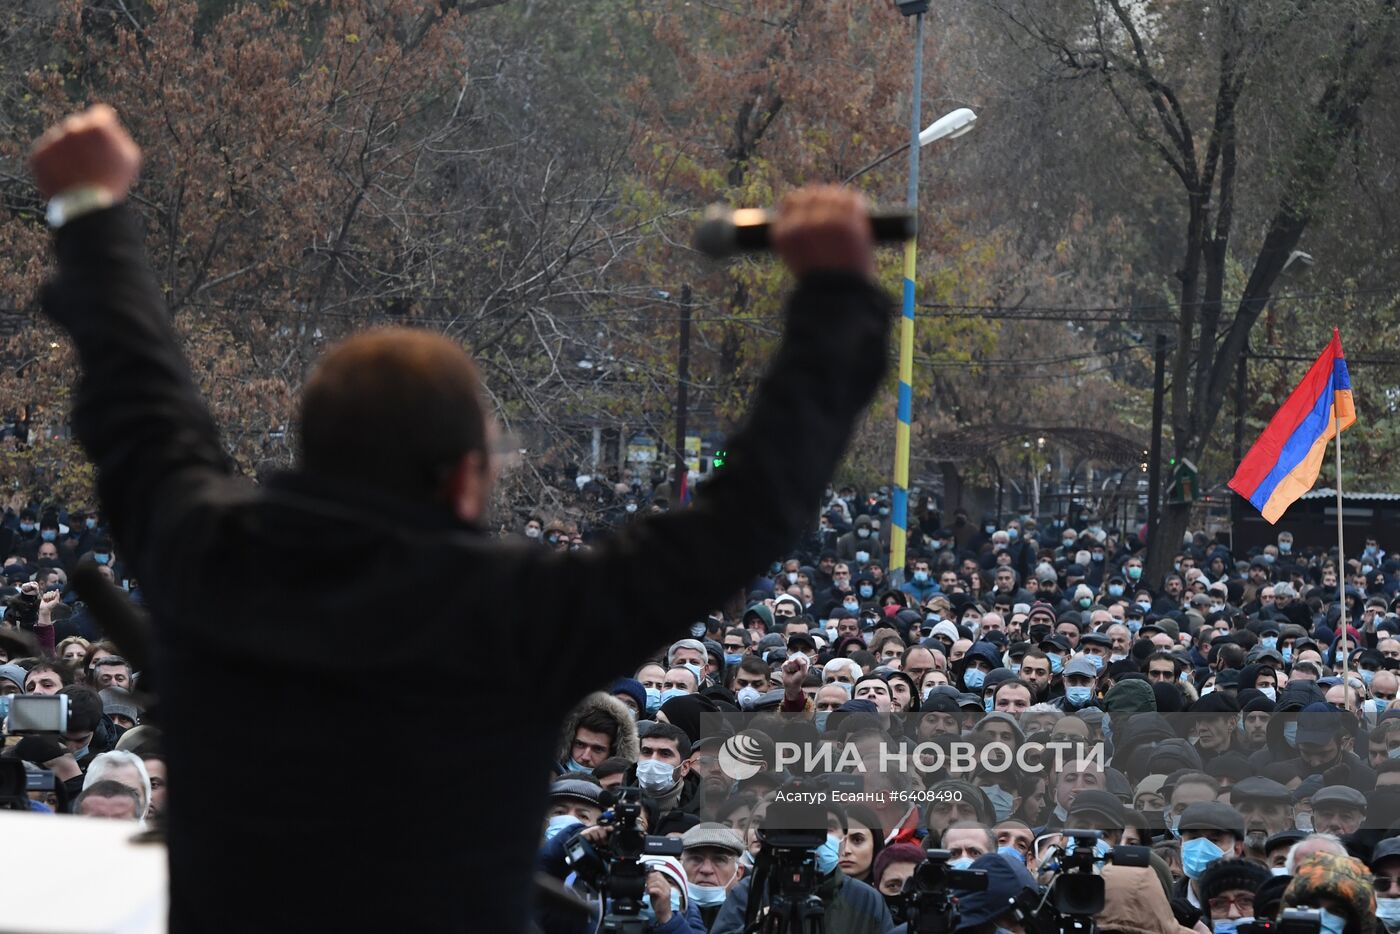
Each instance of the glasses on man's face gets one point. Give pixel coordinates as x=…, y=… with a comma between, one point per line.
x=1385, y=883
x=1220, y=905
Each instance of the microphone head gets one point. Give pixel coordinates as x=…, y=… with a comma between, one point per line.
x=715, y=235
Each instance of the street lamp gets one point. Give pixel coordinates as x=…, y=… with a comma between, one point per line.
x=948, y=126
x=951, y=126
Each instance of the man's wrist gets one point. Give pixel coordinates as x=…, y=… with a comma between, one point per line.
x=72, y=203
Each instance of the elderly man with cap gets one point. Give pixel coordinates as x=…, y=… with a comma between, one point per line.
x=1080, y=677
x=1209, y=831
x=577, y=799
x=1267, y=809
x=1228, y=888
x=1338, y=810
x=711, y=859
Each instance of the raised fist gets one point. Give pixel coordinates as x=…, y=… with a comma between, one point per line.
x=88, y=148
x=825, y=227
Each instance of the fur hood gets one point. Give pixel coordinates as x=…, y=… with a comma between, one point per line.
x=626, y=745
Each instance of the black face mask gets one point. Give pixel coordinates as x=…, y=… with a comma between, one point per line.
x=896, y=905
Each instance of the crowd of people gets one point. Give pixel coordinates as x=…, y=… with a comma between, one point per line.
x=1218, y=716
x=1215, y=743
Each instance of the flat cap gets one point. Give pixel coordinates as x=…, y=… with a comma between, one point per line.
x=715, y=835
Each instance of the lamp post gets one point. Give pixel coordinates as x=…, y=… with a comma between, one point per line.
x=953, y=125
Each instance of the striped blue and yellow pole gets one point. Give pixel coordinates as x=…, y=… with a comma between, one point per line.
x=899, y=508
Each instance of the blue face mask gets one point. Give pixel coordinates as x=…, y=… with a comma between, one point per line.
x=1287, y=654
x=921, y=577
x=1394, y=753
x=101, y=557
x=851, y=605
x=706, y=896
x=1269, y=642
x=987, y=704
x=1290, y=733
x=828, y=854
x=1015, y=668
x=1115, y=590
x=1226, y=926
x=1096, y=661
x=1002, y=803
x=1011, y=853
x=668, y=694
x=974, y=678
x=1145, y=606
x=696, y=671
x=1332, y=923
x=90, y=523
x=866, y=591
x=1057, y=664
x=1086, y=602
x=653, y=700
x=732, y=659
x=821, y=716
x=26, y=527
x=1197, y=854
x=1367, y=675
x=963, y=863
x=1134, y=625
x=49, y=535
x=557, y=824
x=650, y=915
x=573, y=766
x=1079, y=696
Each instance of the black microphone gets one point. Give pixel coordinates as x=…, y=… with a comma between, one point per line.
x=726, y=231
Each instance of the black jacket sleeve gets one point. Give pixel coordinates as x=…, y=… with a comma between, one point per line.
x=655, y=576
x=137, y=411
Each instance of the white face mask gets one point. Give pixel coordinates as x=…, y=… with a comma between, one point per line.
x=655, y=776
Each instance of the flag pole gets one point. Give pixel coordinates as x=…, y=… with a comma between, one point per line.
x=1341, y=562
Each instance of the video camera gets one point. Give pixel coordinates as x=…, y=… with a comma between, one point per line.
x=1075, y=894
x=1293, y=921
x=29, y=715
x=614, y=869
x=785, y=871
x=928, y=907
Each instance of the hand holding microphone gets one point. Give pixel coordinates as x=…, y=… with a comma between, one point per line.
x=816, y=228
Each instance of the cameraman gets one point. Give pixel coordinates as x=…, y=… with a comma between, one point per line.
x=993, y=909
x=852, y=907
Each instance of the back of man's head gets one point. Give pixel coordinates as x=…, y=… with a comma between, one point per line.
x=395, y=407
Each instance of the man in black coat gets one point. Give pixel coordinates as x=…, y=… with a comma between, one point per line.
x=394, y=474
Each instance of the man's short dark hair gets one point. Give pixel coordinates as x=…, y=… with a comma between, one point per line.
x=614, y=765
x=753, y=665
x=598, y=722
x=672, y=732
x=108, y=789
x=394, y=407
x=84, y=708
x=1162, y=655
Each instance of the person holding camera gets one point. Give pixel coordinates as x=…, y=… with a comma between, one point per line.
x=211, y=551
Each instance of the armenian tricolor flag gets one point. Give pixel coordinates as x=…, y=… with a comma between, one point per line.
x=1285, y=461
